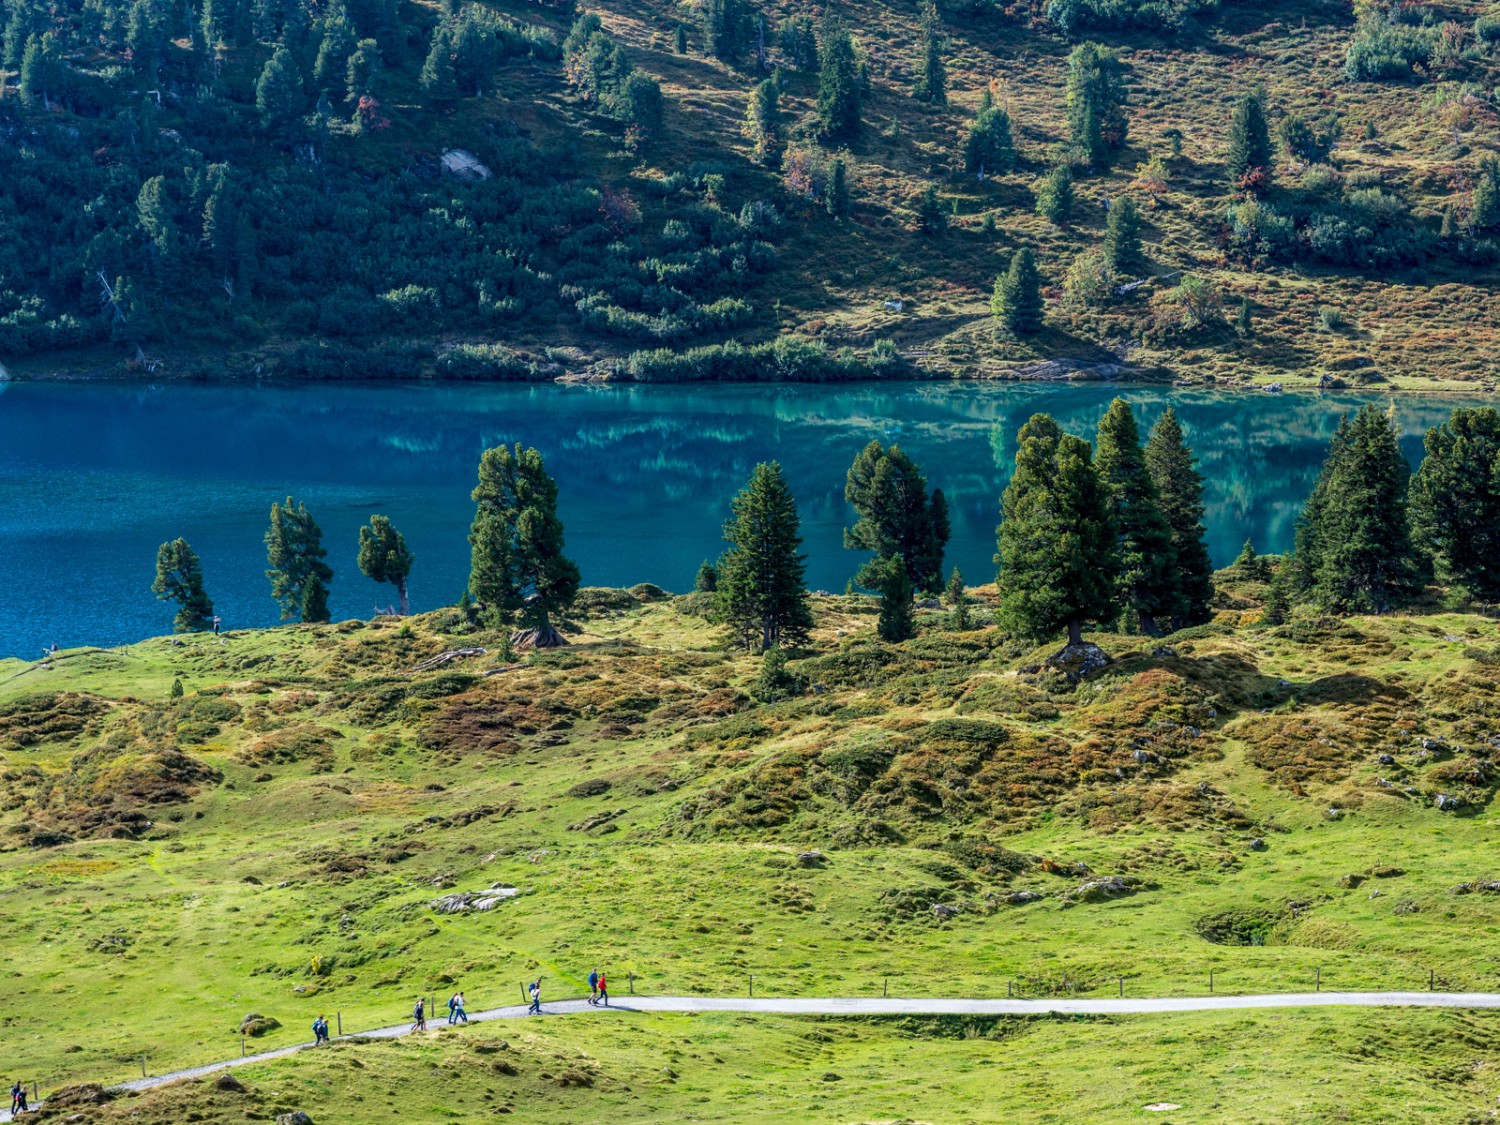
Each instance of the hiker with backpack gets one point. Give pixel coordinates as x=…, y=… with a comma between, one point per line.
x=459, y=1015
x=320, y=1031
x=593, y=985
x=18, y=1098
x=419, y=1014
x=452, y=1009
x=536, y=998
x=603, y=991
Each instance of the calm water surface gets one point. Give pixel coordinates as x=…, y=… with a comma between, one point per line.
x=93, y=478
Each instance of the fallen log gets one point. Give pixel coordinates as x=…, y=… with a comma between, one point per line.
x=444, y=657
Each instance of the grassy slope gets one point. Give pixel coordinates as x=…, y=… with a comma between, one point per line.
x=299, y=884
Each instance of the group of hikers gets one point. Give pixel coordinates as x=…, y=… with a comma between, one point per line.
x=456, y=1012
x=18, y=1099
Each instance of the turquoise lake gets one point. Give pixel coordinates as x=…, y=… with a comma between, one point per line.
x=93, y=478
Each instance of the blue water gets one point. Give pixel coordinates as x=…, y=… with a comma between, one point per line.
x=94, y=477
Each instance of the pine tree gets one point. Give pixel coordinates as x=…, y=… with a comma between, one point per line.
x=723, y=29
x=179, y=578
x=1455, y=500
x=1179, y=492
x=931, y=220
x=775, y=682
x=707, y=579
x=931, y=85
x=958, y=601
x=438, y=79
x=838, y=82
x=383, y=557
x=1096, y=102
x=1354, y=552
x=314, y=605
x=332, y=65
x=517, y=568
x=1147, y=563
x=1278, y=607
x=42, y=69
x=1122, y=233
x=680, y=44
x=888, y=578
x=1054, y=198
x=762, y=593
x=838, y=189
x=362, y=74
x=1484, y=203
x=1017, y=299
x=1056, y=538
x=294, y=557
x=763, y=122
x=1250, y=161
x=989, y=148
x=897, y=517
x=279, y=95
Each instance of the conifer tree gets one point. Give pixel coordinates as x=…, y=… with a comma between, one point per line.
x=931, y=220
x=1017, y=300
x=42, y=71
x=762, y=593
x=1455, y=500
x=1147, y=562
x=314, y=606
x=279, y=95
x=1122, y=233
x=1354, y=552
x=888, y=578
x=1096, y=102
x=294, y=558
x=362, y=74
x=179, y=578
x=838, y=82
x=516, y=566
x=384, y=557
x=931, y=85
x=1054, y=198
x=838, y=189
x=724, y=30
x=958, y=601
x=989, y=148
x=1250, y=161
x=707, y=579
x=1056, y=538
x=763, y=122
x=1179, y=493
x=332, y=65
x=438, y=79
x=897, y=516
x=1484, y=202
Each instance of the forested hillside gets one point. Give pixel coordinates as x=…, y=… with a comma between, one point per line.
x=341, y=188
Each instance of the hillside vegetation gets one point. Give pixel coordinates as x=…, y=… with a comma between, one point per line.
x=258, y=187
x=196, y=830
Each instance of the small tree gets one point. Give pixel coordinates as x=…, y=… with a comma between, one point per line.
x=1090, y=281
x=931, y=85
x=516, y=565
x=279, y=95
x=179, y=578
x=837, y=202
x=707, y=579
x=897, y=516
x=1017, y=300
x=989, y=147
x=1054, y=196
x=762, y=594
x=775, y=681
x=1147, y=562
x=438, y=79
x=1122, y=233
x=1056, y=537
x=294, y=557
x=888, y=577
x=839, y=94
x=763, y=122
x=958, y=601
x=931, y=220
x=383, y=557
x=314, y=605
x=1249, y=161
x=1179, y=492
x=1455, y=500
x=1096, y=102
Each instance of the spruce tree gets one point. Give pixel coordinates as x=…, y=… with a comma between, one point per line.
x=1096, y=102
x=1056, y=538
x=931, y=85
x=279, y=95
x=838, y=189
x=763, y=122
x=888, y=577
x=362, y=74
x=1017, y=299
x=931, y=219
x=838, y=82
x=1122, y=233
x=762, y=593
x=438, y=79
x=707, y=579
x=516, y=566
x=1455, y=500
x=294, y=557
x=1249, y=161
x=1054, y=198
x=723, y=29
x=314, y=605
x=989, y=147
x=179, y=578
x=897, y=517
x=1146, y=577
x=1354, y=552
x=958, y=601
x=1179, y=493
x=383, y=557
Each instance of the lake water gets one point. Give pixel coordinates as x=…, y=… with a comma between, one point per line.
x=93, y=478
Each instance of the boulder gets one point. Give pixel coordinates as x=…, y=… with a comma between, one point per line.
x=1447, y=803
x=813, y=858
x=943, y=911
x=1021, y=898
x=1078, y=662
x=255, y=1025
x=1257, y=845
x=1387, y=759
x=296, y=1117
x=77, y=1097
x=462, y=902
x=1351, y=880
x=229, y=1084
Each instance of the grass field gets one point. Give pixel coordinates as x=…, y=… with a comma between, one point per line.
x=274, y=841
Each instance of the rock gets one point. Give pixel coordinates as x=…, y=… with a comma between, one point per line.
x=1387, y=759
x=255, y=1024
x=465, y=165
x=599, y=822
x=479, y=901
x=1385, y=871
x=1447, y=803
x=1078, y=662
x=572, y=1077
x=296, y=1117
x=811, y=859
x=1161, y=652
x=1351, y=880
x=1334, y=813
x=1097, y=890
x=943, y=911
x=229, y=1084
x=593, y=787
x=77, y=1097
x=1021, y=898
x=1257, y=845
x=830, y=1076
x=252, y=880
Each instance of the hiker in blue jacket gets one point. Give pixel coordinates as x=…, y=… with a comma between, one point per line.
x=593, y=985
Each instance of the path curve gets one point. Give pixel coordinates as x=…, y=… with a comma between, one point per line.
x=867, y=1006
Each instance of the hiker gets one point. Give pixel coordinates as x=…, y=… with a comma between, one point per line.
x=18, y=1098
x=452, y=1009
x=459, y=1011
x=320, y=1031
x=593, y=985
x=603, y=990
x=216, y=624
x=536, y=997
x=419, y=1013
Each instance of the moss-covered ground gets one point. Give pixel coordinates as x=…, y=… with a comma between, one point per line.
x=275, y=839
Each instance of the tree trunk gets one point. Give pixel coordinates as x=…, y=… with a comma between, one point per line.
x=1149, y=625
x=1075, y=631
x=405, y=603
